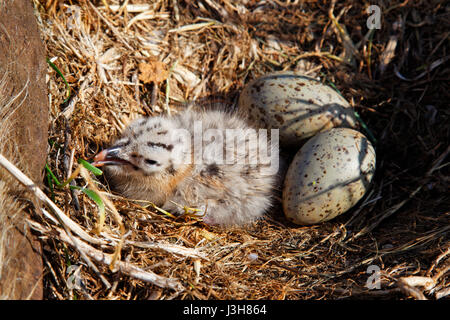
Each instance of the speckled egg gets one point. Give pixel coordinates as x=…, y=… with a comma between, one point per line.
x=299, y=106
x=328, y=176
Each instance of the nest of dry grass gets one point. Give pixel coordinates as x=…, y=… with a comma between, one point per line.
x=396, y=77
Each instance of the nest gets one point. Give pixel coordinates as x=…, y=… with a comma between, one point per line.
x=123, y=60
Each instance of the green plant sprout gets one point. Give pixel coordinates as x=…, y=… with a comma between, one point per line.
x=53, y=180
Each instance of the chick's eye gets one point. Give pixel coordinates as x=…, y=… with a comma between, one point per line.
x=151, y=162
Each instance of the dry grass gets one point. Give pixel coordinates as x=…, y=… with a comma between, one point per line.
x=211, y=48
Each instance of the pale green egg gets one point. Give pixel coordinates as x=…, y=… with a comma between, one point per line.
x=328, y=176
x=297, y=105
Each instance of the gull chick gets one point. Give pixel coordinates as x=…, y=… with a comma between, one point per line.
x=184, y=161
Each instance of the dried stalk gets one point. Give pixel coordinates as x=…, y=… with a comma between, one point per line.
x=124, y=267
x=127, y=268
x=61, y=216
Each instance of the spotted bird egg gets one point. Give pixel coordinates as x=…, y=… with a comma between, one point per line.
x=297, y=105
x=328, y=176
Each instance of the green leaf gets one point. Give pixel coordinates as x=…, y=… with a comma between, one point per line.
x=93, y=196
x=101, y=206
x=90, y=167
x=366, y=128
x=54, y=67
x=162, y=210
x=50, y=185
x=52, y=176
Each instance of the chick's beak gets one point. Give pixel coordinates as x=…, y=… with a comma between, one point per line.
x=109, y=157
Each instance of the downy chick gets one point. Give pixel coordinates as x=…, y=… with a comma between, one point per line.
x=190, y=160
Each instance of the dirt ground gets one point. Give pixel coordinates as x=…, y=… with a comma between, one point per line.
x=396, y=78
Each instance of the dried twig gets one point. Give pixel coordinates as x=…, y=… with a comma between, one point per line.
x=124, y=267
x=27, y=182
x=389, y=212
x=408, y=285
x=107, y=259
x=180, y=250
x=113, y=29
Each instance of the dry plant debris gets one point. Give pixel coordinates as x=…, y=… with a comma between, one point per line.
x=396, y=77
x=152, y=71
